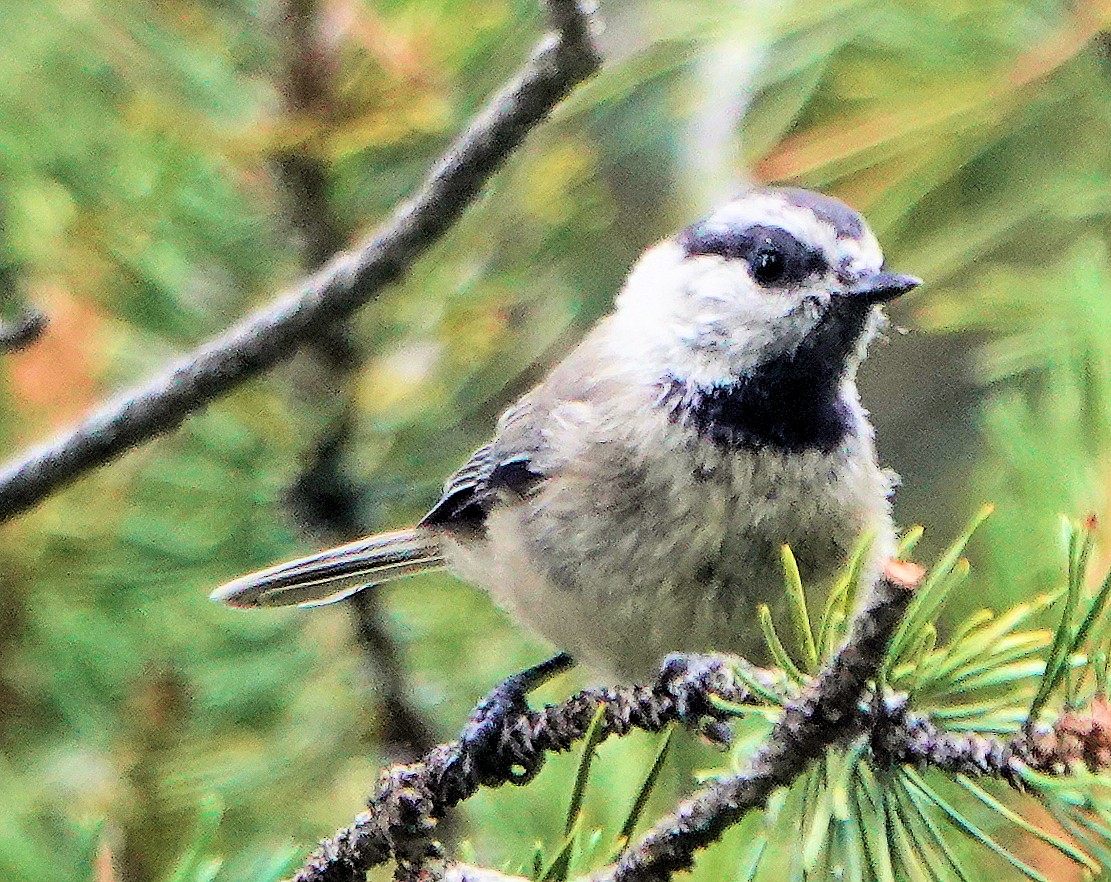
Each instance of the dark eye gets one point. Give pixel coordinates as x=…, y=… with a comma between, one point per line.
x=768, y=266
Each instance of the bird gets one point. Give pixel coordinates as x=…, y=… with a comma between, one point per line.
x=635, y=503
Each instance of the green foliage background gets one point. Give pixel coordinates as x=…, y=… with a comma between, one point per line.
x=143, y=212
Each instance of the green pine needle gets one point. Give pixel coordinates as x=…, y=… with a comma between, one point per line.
x=930, y=596
x=913, y=860
x=800, y=615
x=909, y=541
x=1055, y=666
x=640, y=803
x=758, y=848
x=841, y=785
x=869, y=821
x=1012, y=817
x=914, y=813
x=1093, y=615
x=851, y=850
x=970, y=624
x=817, y=840
x=839, y=604
x=981, y=642
x=582, y=776
x=776, y=649
x=1067, y=642
x=754, y=686
x=918, y=657
x=925, y=607
x=560, y=867
x=963, y=824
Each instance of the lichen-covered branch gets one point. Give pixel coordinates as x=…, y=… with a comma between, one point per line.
x=507, y=742
x=1080, y=737
x=825, y=714
x=563, y=59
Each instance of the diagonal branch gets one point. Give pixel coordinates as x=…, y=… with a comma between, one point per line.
x=824, y=714
x=560, y=61
x=505, y=741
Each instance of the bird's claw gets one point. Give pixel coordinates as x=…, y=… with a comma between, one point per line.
x=692, y=681
x=506, y=700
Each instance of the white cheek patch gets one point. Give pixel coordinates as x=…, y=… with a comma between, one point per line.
x=859, y=256
x=703, y=316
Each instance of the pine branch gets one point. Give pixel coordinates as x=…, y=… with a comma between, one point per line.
x=824, y=715
x=560, y=61
x=506, y=742
x=1078, y=737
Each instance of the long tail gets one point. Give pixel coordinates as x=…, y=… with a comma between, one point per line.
x=337, y=573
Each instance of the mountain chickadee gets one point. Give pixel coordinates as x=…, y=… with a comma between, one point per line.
x=635, y=502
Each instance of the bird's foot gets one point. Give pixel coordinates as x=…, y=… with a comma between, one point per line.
x=693, y=682
x=506, y=700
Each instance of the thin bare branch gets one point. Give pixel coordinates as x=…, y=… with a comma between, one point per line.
x=560, y=61
x=22, y=332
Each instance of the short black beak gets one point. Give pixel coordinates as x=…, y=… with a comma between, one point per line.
x=881, y=286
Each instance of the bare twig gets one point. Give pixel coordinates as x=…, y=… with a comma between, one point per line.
x=561, y=61
x=22, y=332
x=325, y=498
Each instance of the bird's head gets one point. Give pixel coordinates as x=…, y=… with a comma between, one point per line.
x=775, y=275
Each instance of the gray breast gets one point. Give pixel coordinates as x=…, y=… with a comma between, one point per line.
x=665, y=543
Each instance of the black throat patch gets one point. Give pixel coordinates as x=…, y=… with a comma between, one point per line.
x=792, y=403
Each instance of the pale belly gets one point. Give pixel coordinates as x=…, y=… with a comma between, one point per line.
x=621, y=569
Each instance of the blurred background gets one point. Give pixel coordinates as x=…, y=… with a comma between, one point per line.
x=167, y=166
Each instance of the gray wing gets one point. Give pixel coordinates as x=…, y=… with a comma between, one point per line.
x=507, y=463
x=521, y=455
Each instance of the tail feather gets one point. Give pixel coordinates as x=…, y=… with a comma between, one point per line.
x=332, y=575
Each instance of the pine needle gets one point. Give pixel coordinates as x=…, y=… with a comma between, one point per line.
x=914, y=811
x=930, y=596
x=582, y=776
x=909, y=541
x=560, y=867
x=995, y=805
x=640, y=803
x=967, y=827
x=800, y=615
x=778, y=652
